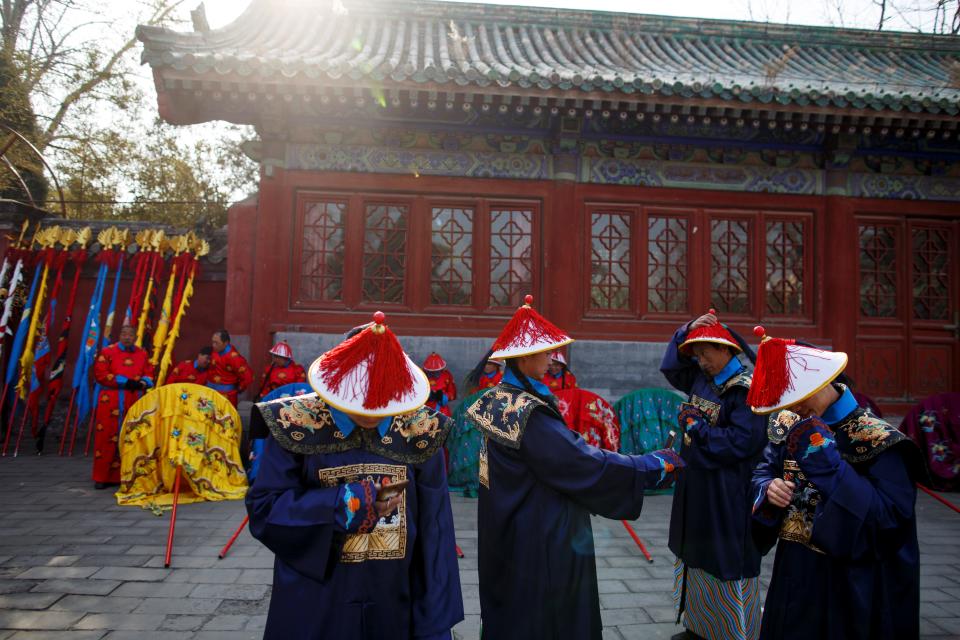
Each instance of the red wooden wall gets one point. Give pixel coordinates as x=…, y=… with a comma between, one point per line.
x=267, y=253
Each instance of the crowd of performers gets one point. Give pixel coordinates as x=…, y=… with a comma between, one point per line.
x=39, y=282
x=352, y=494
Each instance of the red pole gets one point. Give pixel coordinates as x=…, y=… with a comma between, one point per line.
x=233, y=538
x=13, y=413
x=66, y=423
x=3, y=398
x=173, y=519
x=86, y=448
x=73, y=432
x=636, y=538
x=938, y=498
x=23, y=422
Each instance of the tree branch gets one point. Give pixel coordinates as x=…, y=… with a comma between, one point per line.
x=102, y=74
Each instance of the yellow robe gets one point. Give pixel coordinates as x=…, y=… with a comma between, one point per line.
x=183, y=425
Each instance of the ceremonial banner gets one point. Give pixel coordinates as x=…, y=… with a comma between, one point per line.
x=91, y=343
x=181, y=425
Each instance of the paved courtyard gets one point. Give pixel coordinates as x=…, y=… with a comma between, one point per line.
x=74, y=565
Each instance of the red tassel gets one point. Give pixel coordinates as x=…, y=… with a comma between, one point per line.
x=771, y=378
x=388, y=377
x=527, y=327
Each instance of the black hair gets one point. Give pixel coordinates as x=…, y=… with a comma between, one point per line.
x=843, y=378
x=515, y=368
x=355, y=331
x=473, y=378
x=206, y=351
x=747, y=351
x=224, y=335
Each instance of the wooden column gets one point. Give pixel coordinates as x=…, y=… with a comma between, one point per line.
x=838, y=264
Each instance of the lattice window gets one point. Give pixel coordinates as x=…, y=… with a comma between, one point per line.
x=321, y=259
x=878, y=271
x=451, y=258
x=785, y=266
x=511, y=256
x=667, y=264
x=730, y=259
x=931, y=268
x=384, y=253
x=610, y=261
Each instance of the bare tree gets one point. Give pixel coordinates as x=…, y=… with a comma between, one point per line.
x=72, y=84
x=60, y=61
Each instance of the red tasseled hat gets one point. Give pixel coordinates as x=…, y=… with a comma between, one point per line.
x=527, y=333
x=434, y=362
x=715, y=334
x=787, y=373
x=369, y=374
x=283, y=350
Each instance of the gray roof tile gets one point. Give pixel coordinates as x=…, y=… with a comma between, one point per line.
x=456, y=46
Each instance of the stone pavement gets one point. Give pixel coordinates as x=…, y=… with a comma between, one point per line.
x=73, y=565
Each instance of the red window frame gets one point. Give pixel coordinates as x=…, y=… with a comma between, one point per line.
x=417, y=252
x=699, y=261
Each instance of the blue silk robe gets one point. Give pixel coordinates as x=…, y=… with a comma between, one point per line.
x=847, y=565
x=539, y=483
x=710, y=521
x=340, y=573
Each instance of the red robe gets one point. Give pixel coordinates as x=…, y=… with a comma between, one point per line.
x=229, y=373
x=187, y=371
x=113, y=367
x=444, y=383
x=276, y=376
x=487, y=382
x=564, y=381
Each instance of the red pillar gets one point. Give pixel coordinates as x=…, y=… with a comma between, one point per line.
x=838, y=264
x=562, y=242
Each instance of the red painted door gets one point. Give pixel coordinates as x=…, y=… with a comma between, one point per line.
x=908, y=337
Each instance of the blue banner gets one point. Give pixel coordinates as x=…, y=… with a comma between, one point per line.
x=23, y=328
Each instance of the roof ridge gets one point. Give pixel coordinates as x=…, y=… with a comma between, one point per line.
x=745, y=29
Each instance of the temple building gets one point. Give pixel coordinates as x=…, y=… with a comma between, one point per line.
x=440, y=160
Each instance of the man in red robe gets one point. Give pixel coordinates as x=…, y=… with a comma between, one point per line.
x=558, y=375
x=229, y=372
x=443, y=389
x=123, y=373
x=282, y=370
x=192, y=371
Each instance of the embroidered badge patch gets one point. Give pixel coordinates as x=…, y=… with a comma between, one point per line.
x=709, y=409
x=387, y=540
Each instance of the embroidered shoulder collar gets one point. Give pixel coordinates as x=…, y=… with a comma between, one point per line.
x=741, y=379
x=502, y=413
x=779, y=425
x=304, y=424
x=862, y=436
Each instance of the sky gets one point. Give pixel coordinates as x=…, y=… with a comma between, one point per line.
x=903, y=15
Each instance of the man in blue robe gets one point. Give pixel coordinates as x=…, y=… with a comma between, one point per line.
x=717, y=585
x=540, y=482
x=354, y=558
x=836, y=491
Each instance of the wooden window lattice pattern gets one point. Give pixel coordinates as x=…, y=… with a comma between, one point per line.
x=384, y=253
x=511, y=256
x=931, y=269
x=784, y=267
x=610, y=261
x=667, y=264
x=321, y=261
x=451, y=257
x=730, y=259
x=878, y=271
